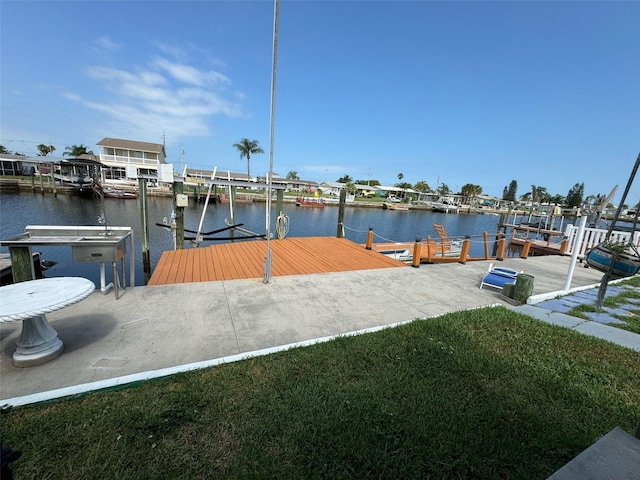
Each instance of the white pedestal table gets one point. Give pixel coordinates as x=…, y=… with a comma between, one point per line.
x=30, y=301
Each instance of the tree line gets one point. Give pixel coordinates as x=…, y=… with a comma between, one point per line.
x=536, y=195
x=47, y=150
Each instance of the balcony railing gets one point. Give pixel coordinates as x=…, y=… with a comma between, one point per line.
x=128, y=160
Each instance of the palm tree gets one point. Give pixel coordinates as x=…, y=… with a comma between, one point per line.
x=45, y=149
x=76, y=150
x=247, y=148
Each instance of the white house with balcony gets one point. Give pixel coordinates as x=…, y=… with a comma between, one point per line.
x=118, y=155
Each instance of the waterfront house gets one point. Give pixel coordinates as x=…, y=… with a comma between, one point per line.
x=123, y=159
x=332, y=188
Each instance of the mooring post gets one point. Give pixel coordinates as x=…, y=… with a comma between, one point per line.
x=415, y=261
x=21, y=264
x=144, y=218
x=53, y=180
x=499, y=233
x=464, y=252
x=232, y=201
x=178, y=189
x=369, y=244
x=343, y=200
x=525, y=249
x=500, y=253
x=485, y=239
x=429, y=249
x=279, y=200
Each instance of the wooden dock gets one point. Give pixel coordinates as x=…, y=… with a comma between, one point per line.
x=537, y=240
x=245, y=259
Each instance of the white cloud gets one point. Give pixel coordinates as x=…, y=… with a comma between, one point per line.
x=105, y=43
x=191, y=75
x=174, y=97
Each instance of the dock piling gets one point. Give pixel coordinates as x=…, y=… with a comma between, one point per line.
x=415, y=261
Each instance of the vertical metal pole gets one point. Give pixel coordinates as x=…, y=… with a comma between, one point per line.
x=267, y=261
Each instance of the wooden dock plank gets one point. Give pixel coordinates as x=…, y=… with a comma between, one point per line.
x=290, y=256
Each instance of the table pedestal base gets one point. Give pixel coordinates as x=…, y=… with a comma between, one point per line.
x=38, y=343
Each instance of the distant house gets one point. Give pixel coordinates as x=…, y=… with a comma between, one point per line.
x=298, y=185
x=200, y=176
x=332, y=188
x=365, y=190
x=118, y=155
x=14, y=165
x=384, y=191
x=66, y=171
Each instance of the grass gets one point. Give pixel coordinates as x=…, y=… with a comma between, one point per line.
x=486, y=393
x=632, y=319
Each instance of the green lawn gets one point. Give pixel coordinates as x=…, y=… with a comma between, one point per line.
x=486, y=393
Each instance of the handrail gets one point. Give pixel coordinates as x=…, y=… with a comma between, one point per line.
x=595, y=236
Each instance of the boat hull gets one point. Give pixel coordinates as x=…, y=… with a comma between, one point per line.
x=621, y=265
x=310, y=202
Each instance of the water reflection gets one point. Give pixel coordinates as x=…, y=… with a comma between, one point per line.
x=18, y=211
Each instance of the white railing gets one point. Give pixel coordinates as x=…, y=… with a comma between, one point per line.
x=128, y=160
x=594, y=236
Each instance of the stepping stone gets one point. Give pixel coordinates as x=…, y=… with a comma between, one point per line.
x=556, y=305
x=576, y=300
x=604, y=318
x=618, y=311
x=590, y=294
x=614, y=290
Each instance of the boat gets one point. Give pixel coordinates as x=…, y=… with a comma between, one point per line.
x=444, y=207
x=618, y=260
x=402, y=207
x=393, y=199
x=312, y=202
x=113, y=193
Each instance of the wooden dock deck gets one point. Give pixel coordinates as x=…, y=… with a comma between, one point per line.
x=290, y=256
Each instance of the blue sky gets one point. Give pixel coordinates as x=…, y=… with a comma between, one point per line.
x=544, y=93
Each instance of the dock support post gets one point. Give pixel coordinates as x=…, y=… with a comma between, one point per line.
x=429, y=251
x=144, y=220
x=178, y=189
x=501, y=245
x=485, y=239
x=343, y=200
x=415, y=261
x=499, y=233
x=53, y=180
x=21, y=264
x=369, y=244
x=232, y=207
x=563, y=246
x=464, y=252
x=279, y=200
x=525, y=249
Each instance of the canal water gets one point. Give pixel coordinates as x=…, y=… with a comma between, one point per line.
x=19, y=210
